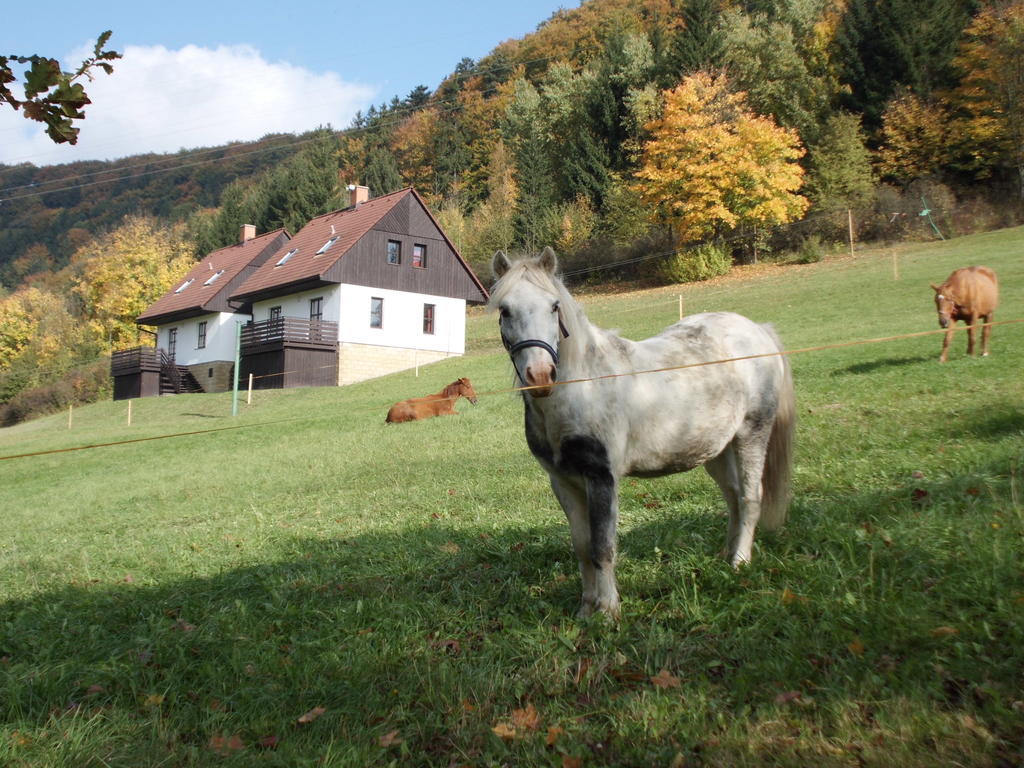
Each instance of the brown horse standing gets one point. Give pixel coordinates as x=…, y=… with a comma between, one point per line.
x=968, y=294
x=441, y=404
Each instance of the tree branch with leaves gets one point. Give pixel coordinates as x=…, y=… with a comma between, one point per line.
x=51, y=95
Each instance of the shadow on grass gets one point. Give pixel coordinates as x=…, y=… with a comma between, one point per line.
x=875, y=365
x=439, y=632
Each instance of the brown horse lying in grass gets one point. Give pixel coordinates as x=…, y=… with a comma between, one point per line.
x=968, y=294
x=441, y=404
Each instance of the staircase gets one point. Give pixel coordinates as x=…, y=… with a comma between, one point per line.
x=176, y=379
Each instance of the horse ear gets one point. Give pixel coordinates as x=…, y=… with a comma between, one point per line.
x=548, y=260
x=935, y=287
x=500, y=263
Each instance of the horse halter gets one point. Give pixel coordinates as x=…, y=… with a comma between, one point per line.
x=520, y=345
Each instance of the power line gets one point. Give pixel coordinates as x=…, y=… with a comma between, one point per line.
x=395, y=116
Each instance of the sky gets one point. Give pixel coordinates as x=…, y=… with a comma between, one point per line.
x=204, y=73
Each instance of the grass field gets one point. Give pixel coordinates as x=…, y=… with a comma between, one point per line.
x=315, y=588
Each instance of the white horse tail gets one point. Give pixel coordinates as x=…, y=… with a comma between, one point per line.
x=775, y=491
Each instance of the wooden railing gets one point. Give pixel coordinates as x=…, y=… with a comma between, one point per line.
x=169, y=369
x=289, y=329
x=135, y=359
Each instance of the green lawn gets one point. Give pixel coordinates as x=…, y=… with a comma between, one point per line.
x=410, y=589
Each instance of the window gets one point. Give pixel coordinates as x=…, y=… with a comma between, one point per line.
x=184, y=285
x=172, y=342
x=376, y=312
x=328, y=244
x=275, y=313
x=419, y=255
x=394, y=252
x=316, y=309
x=287, y=256
x=201, y=342
x=213, y=277
x=428, y=318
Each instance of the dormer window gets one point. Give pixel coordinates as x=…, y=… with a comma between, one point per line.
x=184, y=285
x=327, y=245
x=213, y=278
x=287, y=256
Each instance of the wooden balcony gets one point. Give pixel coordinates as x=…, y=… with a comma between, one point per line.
x=134, y=360
x=289, y=332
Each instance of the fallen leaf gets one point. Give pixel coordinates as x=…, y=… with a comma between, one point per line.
x=665, y=680
x=312, y=715
x=390, y=739
x=92, y=689
x=972, y=492
x=572, y=762
x=553, y=733
x=918, y=495
x=268, y=742
x=183, y=626
x=128, y=579
x=787, y=696
x=856, y=647
x=945, y=631
x=504, y=731
x=154, y=700
x=468, y=706
x=789, y=596
x=225, y=746
x=450, y=547
x=526, y=718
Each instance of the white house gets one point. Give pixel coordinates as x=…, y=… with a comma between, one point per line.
x=196, y=324
x=368, y=290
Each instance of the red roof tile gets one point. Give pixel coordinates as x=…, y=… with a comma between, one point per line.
x=203, y=289
x=348, y=225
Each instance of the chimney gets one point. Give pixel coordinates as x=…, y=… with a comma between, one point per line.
x=248, y=232
x=358, y=195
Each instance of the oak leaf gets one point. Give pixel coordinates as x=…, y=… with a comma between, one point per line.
x=665, y=679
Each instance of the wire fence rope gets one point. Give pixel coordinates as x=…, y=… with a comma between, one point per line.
x=510, y=390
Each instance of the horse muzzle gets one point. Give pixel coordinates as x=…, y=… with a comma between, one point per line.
x=538, y=378
x=943, y=321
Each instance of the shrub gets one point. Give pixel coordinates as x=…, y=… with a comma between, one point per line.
x=81, y=385
x=700, y=263
x=811, y=250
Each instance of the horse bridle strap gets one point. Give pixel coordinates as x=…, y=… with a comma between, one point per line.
x=525, y=343
x=513, y=348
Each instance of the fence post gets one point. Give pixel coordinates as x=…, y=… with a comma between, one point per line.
x=680, y=306
x=895, y=265
x=238, y=364
x=70, y=409
x=129, y=413
x=849, y=222
x=248, y=399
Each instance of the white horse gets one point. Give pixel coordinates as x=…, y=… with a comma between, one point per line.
x=590, y=420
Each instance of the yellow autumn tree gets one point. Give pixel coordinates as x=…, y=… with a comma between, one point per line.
x=39, y=340
x=915, y=138
x=712, y=165
x=989, y=99
x=123, y=272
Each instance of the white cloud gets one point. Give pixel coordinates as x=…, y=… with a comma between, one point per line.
x=159, y=100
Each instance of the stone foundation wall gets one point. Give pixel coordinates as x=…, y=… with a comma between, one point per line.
x=358, y=362
x=215, y=376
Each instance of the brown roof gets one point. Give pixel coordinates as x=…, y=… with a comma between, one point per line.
x=200, y=294
x=306, y=267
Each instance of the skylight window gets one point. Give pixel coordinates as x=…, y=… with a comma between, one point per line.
x=184, y=285
x=213, y=278
x=287, y=256
x=328, y=244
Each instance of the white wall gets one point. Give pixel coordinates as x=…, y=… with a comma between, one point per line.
x=220, y=338
x=349, y=306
